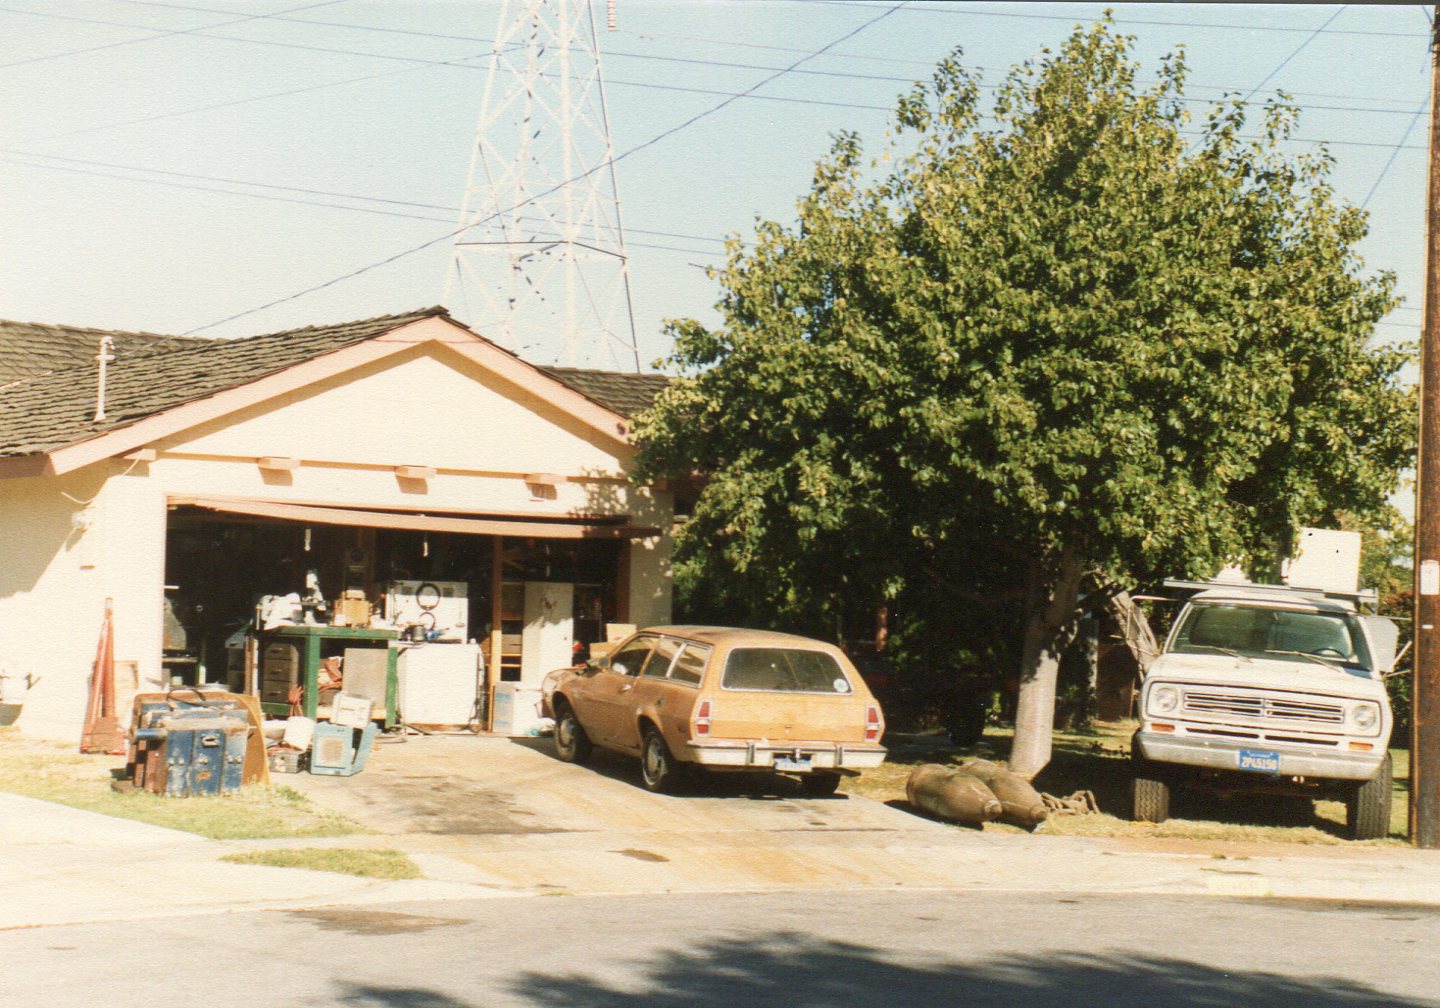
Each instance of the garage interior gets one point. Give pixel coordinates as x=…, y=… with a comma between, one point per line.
x=463, y=619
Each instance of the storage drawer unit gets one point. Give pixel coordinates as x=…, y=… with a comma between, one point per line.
x=279, y=671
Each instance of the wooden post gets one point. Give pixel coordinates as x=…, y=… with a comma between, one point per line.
x=497, y=612
x=1425, y=738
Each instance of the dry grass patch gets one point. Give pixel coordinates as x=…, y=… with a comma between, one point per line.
x=58, y=773
x=381, y=864
x=1099, y=762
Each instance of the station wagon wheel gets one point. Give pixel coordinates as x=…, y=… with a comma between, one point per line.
x=658, y=771
x=571, y=743
x=819, y=785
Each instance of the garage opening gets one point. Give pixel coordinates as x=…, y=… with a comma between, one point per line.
x=258, y=592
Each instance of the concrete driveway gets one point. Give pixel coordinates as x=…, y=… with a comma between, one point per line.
x=506, y=813
x=504, y=816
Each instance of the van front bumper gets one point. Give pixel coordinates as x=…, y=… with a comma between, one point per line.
x=1214, y=754
x=762, y=754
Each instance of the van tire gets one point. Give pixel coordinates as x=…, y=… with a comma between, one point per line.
x=1150, y=792
x=572, y=745
x=658, y=770
x=1367, y=805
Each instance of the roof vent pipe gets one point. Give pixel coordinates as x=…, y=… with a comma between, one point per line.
x=104, y=357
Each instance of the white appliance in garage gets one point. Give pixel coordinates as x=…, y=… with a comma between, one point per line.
x=548, y=637
x=439, y=684
x=434, y=605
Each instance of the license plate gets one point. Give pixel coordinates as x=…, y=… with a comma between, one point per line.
x=1261, y=760
x=792, y=762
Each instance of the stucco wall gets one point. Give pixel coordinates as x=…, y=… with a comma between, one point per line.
x=69, y=543
x=427, y=406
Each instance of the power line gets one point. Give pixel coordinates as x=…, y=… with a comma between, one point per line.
x=209, y=33
x=326, y=24
x=92, y=168
x=1419, y=111
x=461, y=63
x=142, y=120
x=730, y=96
x=633, y=150
x=151, y=38
x=689, y=61
x=931, y=8
x=1298, y=49
x=928, y=8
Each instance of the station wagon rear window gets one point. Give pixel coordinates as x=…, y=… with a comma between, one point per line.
x=784, y=670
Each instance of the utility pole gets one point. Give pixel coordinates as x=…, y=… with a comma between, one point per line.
x=1425, y=738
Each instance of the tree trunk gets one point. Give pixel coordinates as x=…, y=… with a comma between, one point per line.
x=1047, y=631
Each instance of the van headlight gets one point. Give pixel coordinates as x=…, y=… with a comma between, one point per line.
x=1164, y=700
x=1365, y=716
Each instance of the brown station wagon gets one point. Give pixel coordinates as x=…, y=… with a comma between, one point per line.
x=683, y=697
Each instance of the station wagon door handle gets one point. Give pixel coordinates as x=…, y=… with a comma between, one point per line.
x=627, y=687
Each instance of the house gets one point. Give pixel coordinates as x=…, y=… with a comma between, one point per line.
x=361, y=467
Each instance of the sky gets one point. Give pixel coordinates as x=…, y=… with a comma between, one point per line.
x=230, y=168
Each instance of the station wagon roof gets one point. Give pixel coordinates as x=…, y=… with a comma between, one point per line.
x=737, y=636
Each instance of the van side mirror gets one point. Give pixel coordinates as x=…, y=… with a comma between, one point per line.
x=1384, y=639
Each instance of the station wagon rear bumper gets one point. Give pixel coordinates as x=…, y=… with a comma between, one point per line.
x=821, y=755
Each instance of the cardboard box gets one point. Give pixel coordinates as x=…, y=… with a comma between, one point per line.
x=352, y=609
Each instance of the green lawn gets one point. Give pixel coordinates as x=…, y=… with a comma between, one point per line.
x=383, y=864
x=58, y=773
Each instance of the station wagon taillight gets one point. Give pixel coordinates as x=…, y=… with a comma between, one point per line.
x=702, y=718
x=872, y=724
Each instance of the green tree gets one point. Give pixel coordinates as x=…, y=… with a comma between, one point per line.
x=1051, y=346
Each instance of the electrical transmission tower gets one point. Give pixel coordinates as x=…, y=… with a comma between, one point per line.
x=539, y=263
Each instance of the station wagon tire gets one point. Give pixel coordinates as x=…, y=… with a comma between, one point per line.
x=819, y=785
x=1367, y=806
x=658, y=770
x=572, y=745
x=1150, y=792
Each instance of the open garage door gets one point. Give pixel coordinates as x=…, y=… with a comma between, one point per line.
x=224, y=555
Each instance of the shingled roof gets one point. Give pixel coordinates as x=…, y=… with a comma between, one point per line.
x=626, y=394
x=54, y=406
x=28, y=349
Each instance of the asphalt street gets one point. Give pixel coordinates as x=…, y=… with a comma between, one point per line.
x=796, y=949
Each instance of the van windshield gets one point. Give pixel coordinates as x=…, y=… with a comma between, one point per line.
x=784, y=670
x=1261, y=632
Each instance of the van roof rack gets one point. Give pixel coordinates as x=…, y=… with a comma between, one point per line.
x=1358, y=598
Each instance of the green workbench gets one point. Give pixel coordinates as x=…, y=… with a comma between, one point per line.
x=314, y=642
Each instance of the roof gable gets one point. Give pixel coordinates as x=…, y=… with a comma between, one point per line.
x=53, y=410
x=159, y=384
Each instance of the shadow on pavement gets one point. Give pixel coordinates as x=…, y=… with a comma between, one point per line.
x=790, y=969
x=759, y=786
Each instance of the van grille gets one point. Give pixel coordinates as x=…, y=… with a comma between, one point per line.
x=1205, y=704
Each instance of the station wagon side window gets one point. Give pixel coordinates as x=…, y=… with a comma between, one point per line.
x=659, y=662
x=631, y=659
x=690, y=666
